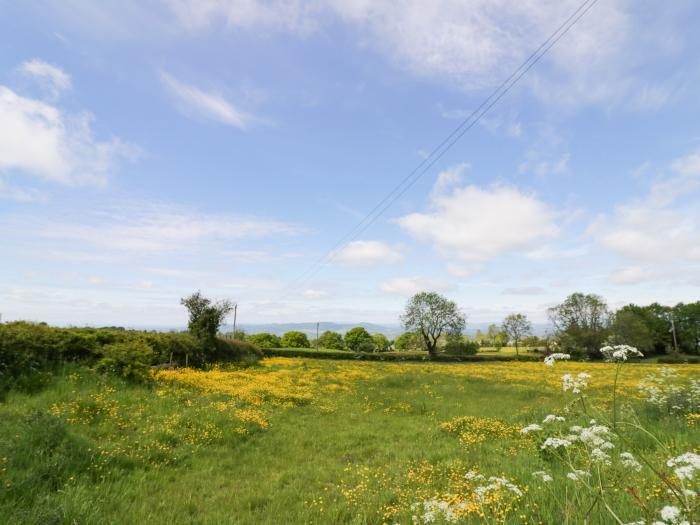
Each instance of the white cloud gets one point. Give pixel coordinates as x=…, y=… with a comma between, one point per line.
x=52, y=77
x=194, y=102
x=474, y=224
x=314, y=294
x=662, y=227
x=42, y=140
x=366, y=253
x=292, y=15
x=630, y=275
x=525, y=290
x=408, y=286
x=143, y=228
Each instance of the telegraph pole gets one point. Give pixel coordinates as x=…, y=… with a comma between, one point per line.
x=317, y=336
x=235, y=311
x=673, y=331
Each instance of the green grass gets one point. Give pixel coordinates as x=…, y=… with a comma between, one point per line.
x=369, y=441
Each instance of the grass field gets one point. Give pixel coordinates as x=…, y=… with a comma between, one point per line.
x=317, y=441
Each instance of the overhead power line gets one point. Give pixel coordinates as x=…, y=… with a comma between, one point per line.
x=439, y=151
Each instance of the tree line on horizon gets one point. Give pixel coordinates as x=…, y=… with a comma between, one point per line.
x=580, y=325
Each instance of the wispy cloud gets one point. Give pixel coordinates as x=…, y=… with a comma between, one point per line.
x=52, y=77
x=408, y=286
x=197, y=103
x=661, y=227
x=366, y=253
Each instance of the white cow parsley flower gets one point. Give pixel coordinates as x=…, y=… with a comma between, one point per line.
x=630, y=462
x=554, y=442
x=685, y=465
x=552, y=417
x=575, y=383
x=533, y=427
x=541, y=474
x=576, y=475
x=552, y=358
x=620, y=353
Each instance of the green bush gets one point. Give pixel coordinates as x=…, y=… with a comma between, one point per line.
x=295, y=339
x=131, y=360
x=331, y=340
x=679, y=359
x=408, y=341
x=182, y=347
x=460, y=346
x=230, y=350
x=381, y=343
x=264, y=340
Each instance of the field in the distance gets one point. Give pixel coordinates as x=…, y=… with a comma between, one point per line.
x=306, y=441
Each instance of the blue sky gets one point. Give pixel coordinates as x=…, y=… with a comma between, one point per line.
x=150, y=149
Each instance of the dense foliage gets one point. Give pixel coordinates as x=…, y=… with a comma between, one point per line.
x=381, y=343
x=331, y=340
x=295, y=339
x=264, y=340
x=458, y=345
x=583, y=323
x=206, y=316
x=358, y=340
x=29, y=350
x=407, y=341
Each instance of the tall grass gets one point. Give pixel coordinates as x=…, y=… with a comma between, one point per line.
x=296, y=441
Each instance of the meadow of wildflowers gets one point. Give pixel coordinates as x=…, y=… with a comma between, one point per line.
x=296, y=440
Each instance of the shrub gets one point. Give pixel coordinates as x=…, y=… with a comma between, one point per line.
x=206, y=316
x=408, y=341
x=457, y=345
x=381, y=343
x=182, y=347
x=358, y=340
x=331, y=340
x=264, y=340
x=295, y=339
x=131, y=360
x=229, y=350
x=679, y=359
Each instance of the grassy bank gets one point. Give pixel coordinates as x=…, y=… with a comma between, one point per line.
x=300, y=441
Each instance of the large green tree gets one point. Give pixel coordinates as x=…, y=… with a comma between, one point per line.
x=358, y=340
x=205, y=317
x=331, y=340
x=431, y=315
x=381, y=342
x=686, y=318
x=581, y=323
x=264, y=340
x=516, y=327
x=295, y=339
